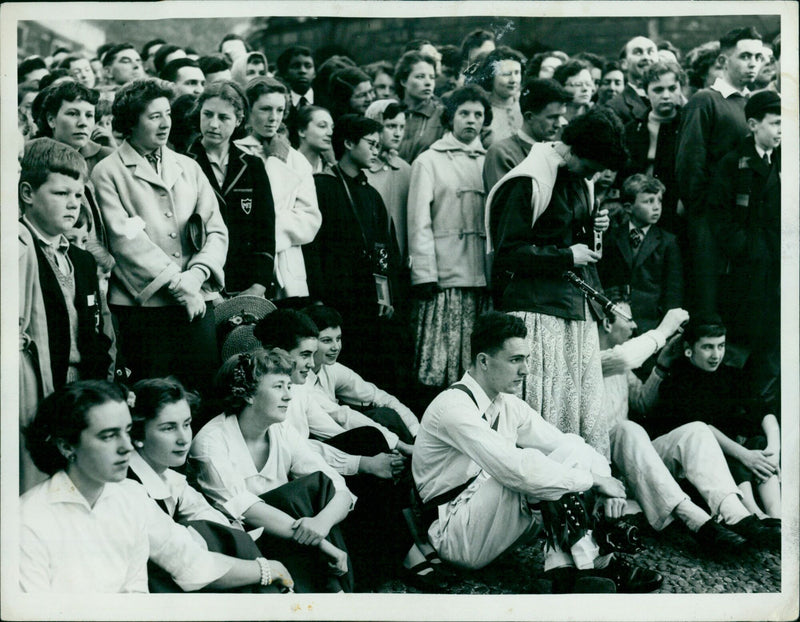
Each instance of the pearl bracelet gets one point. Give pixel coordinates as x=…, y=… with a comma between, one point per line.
x=266, y=573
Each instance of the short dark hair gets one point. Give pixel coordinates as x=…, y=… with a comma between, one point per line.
x=404, y=66
x=145, y=53
x=160, y=57
x=284, y=328
x=473, y=40
x=484, y=76
x=703, y=325
x=594, y=60
x=170, y=71
x=285, y=57
x=598, y=135
x=264, y=85
x=537, y=93
x=352, y=127
x=43, y=156
x=571, y=68
x=213, y=63
x=341, y=86
x=32, y=63
x=534, y=64
x=54, y=96
x=373, y=70
x=699, y=62
x=52, y=76
x=468, y=93
x=62, y=416
x=232, y=37
x=68, y=60
x=238, y=378
x=656, y=70
x=415, y=45
x=491, y=331
x=637, y=184
x=732, y=37
x=152, y=395
x=669, y=46
x=451, y=57
x=323, y=317
x=132, y=99
x=111, y=53
x=298, y=119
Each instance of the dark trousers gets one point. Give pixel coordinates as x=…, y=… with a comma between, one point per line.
x=375, y=530
x=390, y=420
x=161, y=341
x=306, y=496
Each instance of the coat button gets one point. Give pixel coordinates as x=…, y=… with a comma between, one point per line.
x=173, y=235
x=176, y=254
x=168, y=214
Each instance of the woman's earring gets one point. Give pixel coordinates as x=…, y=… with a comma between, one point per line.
x=138, y=444
x=688, y=353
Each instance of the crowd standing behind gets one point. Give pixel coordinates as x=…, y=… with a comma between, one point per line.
x=178, y=212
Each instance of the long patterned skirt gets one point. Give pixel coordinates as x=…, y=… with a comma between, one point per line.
x=565, y=380
x=442, y=328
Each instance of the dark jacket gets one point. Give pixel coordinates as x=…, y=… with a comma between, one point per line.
x=637, y=138
x=530, y=261
x=629, y=105
x=246, y=204
x=93, y=344
x=654, y=275
x=745, y=209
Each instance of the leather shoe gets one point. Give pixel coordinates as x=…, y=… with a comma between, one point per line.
x=758, y=533
x=628, y=578
x=426, y=578
x=568, y=580
x=717, y=538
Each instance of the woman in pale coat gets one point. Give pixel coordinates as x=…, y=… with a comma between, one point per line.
x=447, y=239
x=297, y=215
x=168, y=238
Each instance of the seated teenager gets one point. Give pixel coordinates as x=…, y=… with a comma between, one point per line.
x=162, y=434
x=690, y=451
x=89, y=530
x=700, y=387
x=485, y=461
x=374, y=473
x=332, y=383
x=264, y=474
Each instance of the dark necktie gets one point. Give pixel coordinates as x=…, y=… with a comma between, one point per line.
x=303, y=102
x=636, y=238
x=765, y=158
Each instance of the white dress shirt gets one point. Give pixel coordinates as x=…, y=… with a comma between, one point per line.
x=455, y=443
x=69, y=547
x=227, y=475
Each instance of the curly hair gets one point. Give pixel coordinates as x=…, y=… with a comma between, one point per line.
x=656, y=70
x=404, y=66
x=151, y=397
x=61, y=416
x=57, y=94
x=237, y=380
x=568, y=69
x=132, y=100
x=598, y=135
x=468, y=93
x=485, y=74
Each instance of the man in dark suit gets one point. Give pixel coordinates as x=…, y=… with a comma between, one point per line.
x=637, y=55
x=641, y=257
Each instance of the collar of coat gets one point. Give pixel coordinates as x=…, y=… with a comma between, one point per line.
x=449, y=143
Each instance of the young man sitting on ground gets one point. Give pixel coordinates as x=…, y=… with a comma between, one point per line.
x=485, y=462
x=330, y=382
x=689, y=451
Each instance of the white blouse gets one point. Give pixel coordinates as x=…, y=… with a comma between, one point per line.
x=68, y=546
x=228, y=476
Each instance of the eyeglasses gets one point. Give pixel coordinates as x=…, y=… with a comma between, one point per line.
x=372, y=144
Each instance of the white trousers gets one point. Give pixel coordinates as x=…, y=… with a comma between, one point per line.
x=650, y=469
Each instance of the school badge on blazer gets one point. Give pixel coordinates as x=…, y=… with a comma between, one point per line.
x=247, y=205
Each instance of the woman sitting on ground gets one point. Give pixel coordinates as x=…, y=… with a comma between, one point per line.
x=268, y=476
x=89, y=530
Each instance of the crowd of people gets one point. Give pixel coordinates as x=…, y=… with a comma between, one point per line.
x=556, y=278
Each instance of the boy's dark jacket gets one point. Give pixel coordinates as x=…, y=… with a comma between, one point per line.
x=93, y=344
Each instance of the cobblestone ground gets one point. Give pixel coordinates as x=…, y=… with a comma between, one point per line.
x=673, y=553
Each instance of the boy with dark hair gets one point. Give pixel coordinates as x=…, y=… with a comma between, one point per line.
x=640, y=257
x=31, y=69
x=712, y=125
x=186, y=75
x=331, y=382
x=122, y=64
x=215, y=67
x=353, y=263
x=361, y=454
x=485, y=463
x=233, y=47
x=744, y=203
x=296, y=68
x=543, y=103
x=699, y=387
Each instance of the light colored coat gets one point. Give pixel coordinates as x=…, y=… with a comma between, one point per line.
x=145, y=216
x=446, y=234
x=297, y=214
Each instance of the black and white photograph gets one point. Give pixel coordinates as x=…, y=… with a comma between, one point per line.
x=400, y=310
